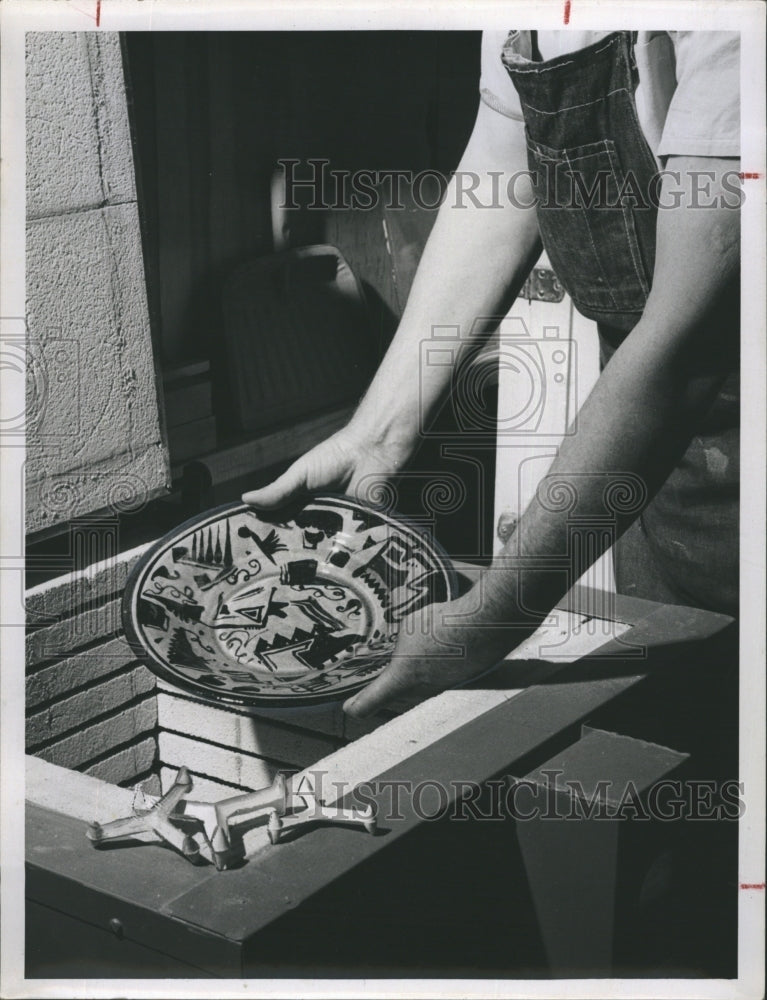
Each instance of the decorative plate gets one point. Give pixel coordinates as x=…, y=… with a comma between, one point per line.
x=244, y=609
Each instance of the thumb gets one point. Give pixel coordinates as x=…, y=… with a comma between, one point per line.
x=388, y=686
x=282, y=490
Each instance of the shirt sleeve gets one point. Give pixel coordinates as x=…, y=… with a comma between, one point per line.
x=495, y=86
x=704, y=115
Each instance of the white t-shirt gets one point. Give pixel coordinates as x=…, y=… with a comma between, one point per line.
x=688, y=97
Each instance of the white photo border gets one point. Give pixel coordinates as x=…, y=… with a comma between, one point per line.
x=746, y=16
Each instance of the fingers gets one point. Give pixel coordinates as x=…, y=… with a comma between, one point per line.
x=281, y=491
x=396, y=681
x=507, y=524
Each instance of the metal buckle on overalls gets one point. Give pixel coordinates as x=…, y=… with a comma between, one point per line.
x=542, y=286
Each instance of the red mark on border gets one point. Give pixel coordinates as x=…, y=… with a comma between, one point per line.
x=567, y=11
x=749, y=177
x=752, y=885
x=87, y=13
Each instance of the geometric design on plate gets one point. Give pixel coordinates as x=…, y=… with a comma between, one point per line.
x=247, y=609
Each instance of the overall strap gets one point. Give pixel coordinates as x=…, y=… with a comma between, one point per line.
x=534, y=50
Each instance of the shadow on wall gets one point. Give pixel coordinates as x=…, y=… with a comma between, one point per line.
x=213, y=112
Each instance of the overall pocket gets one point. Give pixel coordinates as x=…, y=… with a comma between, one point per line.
x=585, y=205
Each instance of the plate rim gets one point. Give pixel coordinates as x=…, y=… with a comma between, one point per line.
x=260, y=702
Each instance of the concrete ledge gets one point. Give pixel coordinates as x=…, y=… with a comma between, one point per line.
x=78, y=795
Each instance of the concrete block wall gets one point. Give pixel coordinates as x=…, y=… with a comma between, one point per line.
x=91, y=706
x=94, y=436
x=228, y=748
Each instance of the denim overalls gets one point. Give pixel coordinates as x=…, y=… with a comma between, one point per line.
x=584, y=139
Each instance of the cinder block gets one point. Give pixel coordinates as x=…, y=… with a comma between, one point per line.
x=327, y=719
x=126, y=764
x=96, y=409
x=87, y=744
x=56, y=598
x=72, y=633
x=149, y=787
x=79, y=152
x=87, y=312
x=241, y=732
x=220, y=763
x=111, y=107
x=64, y=677
x=65, y=716
x=119, y=483
x=203, y=790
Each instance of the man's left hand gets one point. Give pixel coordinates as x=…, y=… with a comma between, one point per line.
x=438, y=647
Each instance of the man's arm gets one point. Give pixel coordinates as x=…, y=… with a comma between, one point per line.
x=638, y=420
x=477, y=257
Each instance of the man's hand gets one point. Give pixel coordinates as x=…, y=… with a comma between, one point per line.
x=348, y=462
x=634, y=427
x=443, y=646
x=474, y=263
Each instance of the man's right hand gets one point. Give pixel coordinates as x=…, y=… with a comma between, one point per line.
x=478, y=254
x=348, y=462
